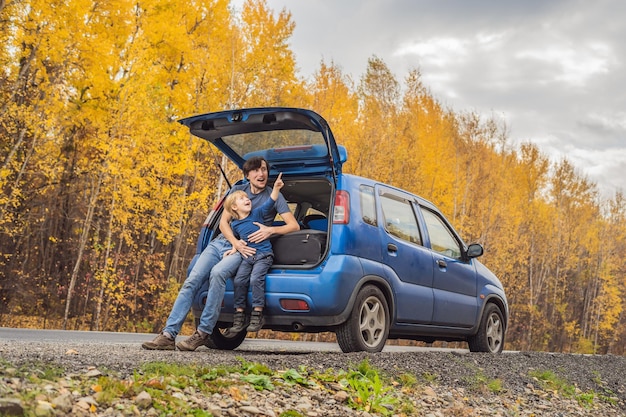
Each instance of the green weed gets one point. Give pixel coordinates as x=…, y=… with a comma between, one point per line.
x=430, y=377
x=371, y=394
x=291, y=413
x=549, y=379
x=481, y=382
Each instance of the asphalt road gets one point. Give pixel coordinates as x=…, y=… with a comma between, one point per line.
x=257, y=345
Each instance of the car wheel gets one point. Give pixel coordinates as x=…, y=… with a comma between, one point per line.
x=367, y=327
x=490, y=336
x=222, y=339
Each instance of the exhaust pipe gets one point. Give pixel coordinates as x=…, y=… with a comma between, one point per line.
x=297, y=326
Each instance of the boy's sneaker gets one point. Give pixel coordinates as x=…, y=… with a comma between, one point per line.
x=239, y=322
x=256, y=321
x=161, y=342
x=193, y=342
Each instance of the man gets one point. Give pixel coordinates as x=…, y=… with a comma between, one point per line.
x=218, y=268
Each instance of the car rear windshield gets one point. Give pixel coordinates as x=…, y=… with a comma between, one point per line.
x=251, y=143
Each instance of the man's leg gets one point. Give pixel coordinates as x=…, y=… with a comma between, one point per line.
x=225, y=269
x=201, y=270
x=209, y=257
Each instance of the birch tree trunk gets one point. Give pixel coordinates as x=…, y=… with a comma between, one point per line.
x=81, y=248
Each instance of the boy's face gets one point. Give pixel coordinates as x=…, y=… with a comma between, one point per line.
x=242, y=205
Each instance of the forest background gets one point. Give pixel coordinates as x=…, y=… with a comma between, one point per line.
x=102, y=193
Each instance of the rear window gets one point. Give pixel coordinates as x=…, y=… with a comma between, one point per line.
x=287, y=141
x=368, y=204
x=400, y=219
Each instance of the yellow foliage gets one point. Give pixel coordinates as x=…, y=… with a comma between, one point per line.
x=90, y=93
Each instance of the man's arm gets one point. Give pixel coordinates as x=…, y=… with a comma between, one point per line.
x=264, y=232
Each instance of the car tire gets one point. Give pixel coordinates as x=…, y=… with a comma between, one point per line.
x=221, y=339
x=490, y=335
x=367, y=327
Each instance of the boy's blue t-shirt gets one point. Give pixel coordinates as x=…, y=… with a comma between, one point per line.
x=267, y=217
x=244, y=227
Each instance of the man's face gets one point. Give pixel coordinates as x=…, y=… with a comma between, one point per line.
x=258, y=177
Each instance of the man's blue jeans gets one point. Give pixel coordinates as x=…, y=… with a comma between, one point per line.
x=213, y=266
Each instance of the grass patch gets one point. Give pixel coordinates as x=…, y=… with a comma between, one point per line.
x=549, y=380
x=482, y=383
x=430, y=377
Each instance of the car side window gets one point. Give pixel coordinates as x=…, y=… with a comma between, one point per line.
x=441, y=238
x=399, y=218
x=368, y=204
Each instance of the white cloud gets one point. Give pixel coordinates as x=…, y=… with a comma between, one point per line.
x=609, y=122
x=438, y=51
x=554, y=70
x=577, y=64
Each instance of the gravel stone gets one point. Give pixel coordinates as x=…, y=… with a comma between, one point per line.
x=448, y=381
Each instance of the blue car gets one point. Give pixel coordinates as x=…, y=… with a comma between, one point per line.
x=371, y=262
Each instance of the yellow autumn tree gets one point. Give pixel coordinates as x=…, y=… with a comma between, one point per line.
x=333, y=97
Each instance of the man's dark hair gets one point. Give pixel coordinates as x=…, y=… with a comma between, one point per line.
x=254, y=163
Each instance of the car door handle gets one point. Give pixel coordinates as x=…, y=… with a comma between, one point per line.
x=392, y=248
x=441, y=263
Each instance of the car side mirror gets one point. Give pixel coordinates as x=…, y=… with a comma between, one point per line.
x=475, y=250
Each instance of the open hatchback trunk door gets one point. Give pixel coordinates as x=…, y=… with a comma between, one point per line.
x=293, y=141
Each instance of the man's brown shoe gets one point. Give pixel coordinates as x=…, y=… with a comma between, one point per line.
x=161, y=342
x=193, y=342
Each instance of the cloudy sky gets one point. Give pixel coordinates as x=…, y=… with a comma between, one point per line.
x=554, y=71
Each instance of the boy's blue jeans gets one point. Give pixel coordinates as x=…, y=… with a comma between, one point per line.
x=251, y=272
x=213, y=266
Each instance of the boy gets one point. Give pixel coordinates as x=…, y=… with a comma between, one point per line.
x=252, y=269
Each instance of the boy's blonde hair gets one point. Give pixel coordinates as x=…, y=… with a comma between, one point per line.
x=229, y=202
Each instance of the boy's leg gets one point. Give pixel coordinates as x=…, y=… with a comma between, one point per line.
x=242, y=283
x=257, y=282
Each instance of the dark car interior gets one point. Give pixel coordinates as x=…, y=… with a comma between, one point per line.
x=309, y=200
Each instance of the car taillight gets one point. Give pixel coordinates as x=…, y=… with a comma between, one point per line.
x=341, y=212
x=215, y=208
x=293, y=304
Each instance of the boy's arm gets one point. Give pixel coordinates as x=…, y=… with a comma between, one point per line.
x=291, y=224
x=278, y=184
x=240, y=245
